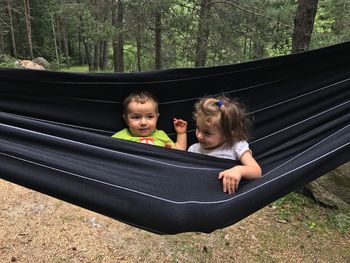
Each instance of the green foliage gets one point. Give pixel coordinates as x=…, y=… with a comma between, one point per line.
x=291, y=205
x=280, y=49
x=340, y=220
x=7, y=61
x=294, y=207
x=331, y=23
x=62, y=62
x=238, y=30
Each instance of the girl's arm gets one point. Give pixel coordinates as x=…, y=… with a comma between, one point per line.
x=248, y=169
x=181, y=132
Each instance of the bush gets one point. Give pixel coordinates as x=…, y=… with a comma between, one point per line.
x=7, y=61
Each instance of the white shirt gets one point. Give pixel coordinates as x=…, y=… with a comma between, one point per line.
x=229, y=152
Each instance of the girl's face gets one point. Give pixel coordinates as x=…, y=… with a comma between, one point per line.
x=142, y=118
x=209, y=137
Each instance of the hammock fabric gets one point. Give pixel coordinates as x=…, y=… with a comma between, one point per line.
x=55, y=133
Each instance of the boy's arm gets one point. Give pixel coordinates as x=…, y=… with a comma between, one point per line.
x=181, y=131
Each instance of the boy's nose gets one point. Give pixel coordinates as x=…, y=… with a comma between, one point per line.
x=143, y=121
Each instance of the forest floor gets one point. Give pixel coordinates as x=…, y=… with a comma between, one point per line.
x=38, y=228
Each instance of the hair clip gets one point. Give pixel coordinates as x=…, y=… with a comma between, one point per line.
x=219, y=103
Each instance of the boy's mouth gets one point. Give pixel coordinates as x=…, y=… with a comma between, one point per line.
x=144, y=131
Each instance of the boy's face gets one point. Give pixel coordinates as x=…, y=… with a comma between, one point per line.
x=142, y=118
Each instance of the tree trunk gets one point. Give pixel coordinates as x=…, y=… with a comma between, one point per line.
x=64, y=37
x=28, y=24
x=81, y=46
x=96, y=56
x=303, y=25
x=118, y=43
x=103, y=55
x=88, y=54
x=86, y=45
x=13, y=41
x=138, y=46
x=2, y=46
x=158, y=39
x=202, y=35
x=55, y=40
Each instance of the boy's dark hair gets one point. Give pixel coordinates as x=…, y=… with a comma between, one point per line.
x=140, y=96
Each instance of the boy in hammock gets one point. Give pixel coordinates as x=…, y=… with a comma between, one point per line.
x=140, y=112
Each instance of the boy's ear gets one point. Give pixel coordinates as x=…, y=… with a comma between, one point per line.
x=125, y=119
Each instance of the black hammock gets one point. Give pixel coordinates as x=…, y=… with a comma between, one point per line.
x=55, y=133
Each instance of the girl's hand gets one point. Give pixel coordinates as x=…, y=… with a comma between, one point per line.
x=169, y=146
x=231, y=179
x=249, y=169
x=180, y=126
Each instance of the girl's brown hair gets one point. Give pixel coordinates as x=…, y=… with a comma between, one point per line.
x=227, y=114
x=139, y=97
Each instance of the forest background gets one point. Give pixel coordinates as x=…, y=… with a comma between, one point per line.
x=144, y=35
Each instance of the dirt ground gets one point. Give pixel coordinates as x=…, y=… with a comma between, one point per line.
x=38, y=228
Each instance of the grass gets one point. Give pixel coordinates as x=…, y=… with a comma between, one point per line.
x=297, y=207
x=80, y=69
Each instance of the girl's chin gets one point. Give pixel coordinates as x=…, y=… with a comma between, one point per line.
x=205, y=147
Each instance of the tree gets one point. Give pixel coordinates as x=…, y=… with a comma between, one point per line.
x=157, y=34
x=54, y=38
x=64, y=38
x=28, y=26
x=202, y=34
x=158, y=38
x=303, y=25
x=118, y=41
x=12, y=31
x=2, y=49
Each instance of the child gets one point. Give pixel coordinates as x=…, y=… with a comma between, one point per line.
x=222, y=131
x=140, y=112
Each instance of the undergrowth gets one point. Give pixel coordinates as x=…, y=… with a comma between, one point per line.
x=297, y=207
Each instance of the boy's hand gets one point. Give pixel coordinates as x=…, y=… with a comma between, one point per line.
x=180, y=126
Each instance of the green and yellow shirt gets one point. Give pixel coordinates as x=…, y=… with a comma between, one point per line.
x=159, y=138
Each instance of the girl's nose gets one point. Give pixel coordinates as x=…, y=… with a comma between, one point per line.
x=199, y=135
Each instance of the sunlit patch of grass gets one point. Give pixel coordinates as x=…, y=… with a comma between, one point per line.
x=83, y=69
x=80, y=69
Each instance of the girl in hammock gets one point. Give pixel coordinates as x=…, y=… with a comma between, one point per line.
x=141, y=116
x=222, y=131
